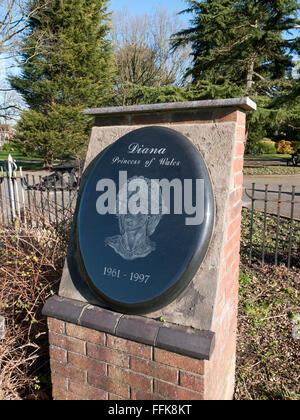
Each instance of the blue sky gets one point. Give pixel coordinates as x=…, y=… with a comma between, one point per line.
x=137, y=7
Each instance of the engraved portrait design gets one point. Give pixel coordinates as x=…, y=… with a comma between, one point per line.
x=135, y=229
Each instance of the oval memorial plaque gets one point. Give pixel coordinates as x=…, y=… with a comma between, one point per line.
x=145, y=220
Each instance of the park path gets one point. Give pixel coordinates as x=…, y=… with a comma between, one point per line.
x=287, y=181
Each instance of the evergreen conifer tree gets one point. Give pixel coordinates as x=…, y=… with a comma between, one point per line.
x=238, y=46
x=239, y=50
x=66, y=66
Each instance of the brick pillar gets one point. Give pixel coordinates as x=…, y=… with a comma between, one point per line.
x=220, y=380
x=100, y=354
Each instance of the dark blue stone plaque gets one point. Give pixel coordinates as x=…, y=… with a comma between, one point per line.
x=145, y=220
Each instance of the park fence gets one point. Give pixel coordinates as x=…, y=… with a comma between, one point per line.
x=270, y=223
x=271, y=226
x=37, y=201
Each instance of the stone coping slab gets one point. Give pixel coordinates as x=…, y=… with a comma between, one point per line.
x=244, y=103
x=182, y=340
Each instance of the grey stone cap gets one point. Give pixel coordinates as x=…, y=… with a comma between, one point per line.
x=244, y=103
x=182, y=340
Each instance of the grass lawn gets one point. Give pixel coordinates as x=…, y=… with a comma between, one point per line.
x=269, y=156
x=17, y=156
x=263, y=165
x=28, y=163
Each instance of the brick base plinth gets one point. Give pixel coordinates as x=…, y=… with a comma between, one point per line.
x=87, y=364
x=158, y=362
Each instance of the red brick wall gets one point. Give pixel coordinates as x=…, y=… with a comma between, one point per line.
x=87, y=364
x=225, y=317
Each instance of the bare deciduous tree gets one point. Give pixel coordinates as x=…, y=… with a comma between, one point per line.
x=10, y=103
x=14, y=16
x=142, y=51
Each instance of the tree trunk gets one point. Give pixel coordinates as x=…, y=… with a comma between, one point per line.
x=49, y=161
x=250, y=72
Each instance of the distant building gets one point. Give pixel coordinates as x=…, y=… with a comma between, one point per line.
x=6, y=133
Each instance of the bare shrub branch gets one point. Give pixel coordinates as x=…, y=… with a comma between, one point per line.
x=31, y=262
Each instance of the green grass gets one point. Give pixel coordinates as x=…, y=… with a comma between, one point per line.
x=17, y=156
x=268, y=156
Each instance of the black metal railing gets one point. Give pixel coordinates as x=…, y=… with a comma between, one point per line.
x=270, y=222
x=271, y=226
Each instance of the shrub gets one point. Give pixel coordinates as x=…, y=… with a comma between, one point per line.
x=284, y=147
x=267, y=148
x=268, y=141
x=262, y=147
x=31, y=264
x=15, y=360
x=10, y=147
